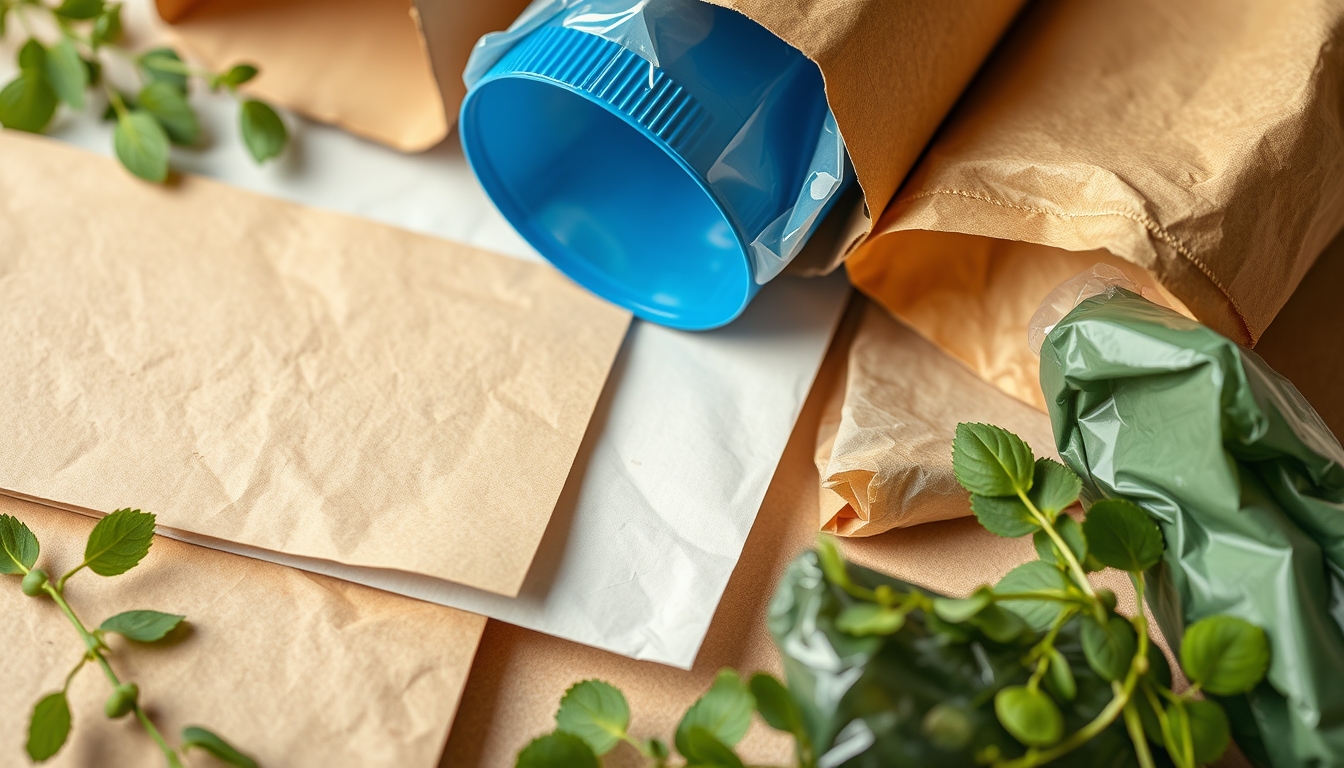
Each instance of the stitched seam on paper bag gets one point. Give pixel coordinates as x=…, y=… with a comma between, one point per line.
x=1153, y=228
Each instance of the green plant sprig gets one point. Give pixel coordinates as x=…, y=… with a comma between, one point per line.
x=1013, y=494
x=149, y=118
x=117, y=544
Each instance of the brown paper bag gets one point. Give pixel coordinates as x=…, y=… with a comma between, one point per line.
x=294, y=669
x=1199, y=141
x=358, y=64
x=286, y=378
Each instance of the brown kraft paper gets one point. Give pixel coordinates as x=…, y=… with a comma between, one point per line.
x=358, y=64
x=285, y=378
x=296, y=670
x=1200, y=142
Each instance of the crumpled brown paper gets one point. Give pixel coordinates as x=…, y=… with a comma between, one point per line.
x=285, y=378
x=884, y=446
x=295, y=669
x=1200, y=141
x=383, y=69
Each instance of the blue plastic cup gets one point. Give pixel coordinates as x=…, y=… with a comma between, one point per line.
x=648, y=184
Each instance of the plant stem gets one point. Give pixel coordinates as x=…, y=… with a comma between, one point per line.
x=1075, y=567
x=95, y=652
x=1136, y=735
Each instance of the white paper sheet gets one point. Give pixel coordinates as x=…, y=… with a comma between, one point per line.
x=679, y=454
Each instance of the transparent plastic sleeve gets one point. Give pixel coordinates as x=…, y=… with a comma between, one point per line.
x=661, y=29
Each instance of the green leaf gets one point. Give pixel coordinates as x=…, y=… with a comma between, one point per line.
x=80, y=10
x=142, y=626
x=4, y=14
x=263, y=132
x=958, y=610
x=32, y=57
x=1120, y=534
x=68, y=74
x=165, y=66
x=991, y=461
x=28, y=103
x=558, y=750
x=1003, y=516
x=867, y=619
x=1054, y=487
x=1210, y=732
x=595, y=712
x=705, y=750
x=170, y=108
x=725, y=711
x=1224, y=654
x=657, y=749
x=18, y=546
x=119, y=542
x=1034, y=576
x=142, y=145
x=49, y=726
x=1031, y=716
x=237, y=75
x=107, y=28
x=832, y=562
x=1109, y=647
x=1071, y=532
x=999, y=624
x=947, y=727
x=196, y=737
x=1059, y=676
x=776, y=706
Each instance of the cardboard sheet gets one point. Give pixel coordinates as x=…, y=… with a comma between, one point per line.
x=293, y=380
x=729, y=398
x=1200, y=141
x=297, y=670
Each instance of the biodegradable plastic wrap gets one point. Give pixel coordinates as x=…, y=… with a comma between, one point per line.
x=1247, y=484
x=662, y=31
x=865, y=699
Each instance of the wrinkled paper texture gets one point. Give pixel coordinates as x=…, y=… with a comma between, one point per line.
x=1200, y=141
x=359, y=64
x=284, y=378
x=294, y=669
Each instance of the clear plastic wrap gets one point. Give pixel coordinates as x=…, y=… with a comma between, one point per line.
x=662, y=30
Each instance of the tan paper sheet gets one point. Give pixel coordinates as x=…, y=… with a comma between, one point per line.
x=282, y=377
x=359, y=64
x=1201, y=141
x=893, y=70
x=884, y=446
x=297, y=670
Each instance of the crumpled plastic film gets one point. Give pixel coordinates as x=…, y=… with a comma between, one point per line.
x=1247, y=484
x=661, y=30
x=865, y=700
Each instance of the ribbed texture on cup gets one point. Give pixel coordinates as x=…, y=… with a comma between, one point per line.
x=617, y=76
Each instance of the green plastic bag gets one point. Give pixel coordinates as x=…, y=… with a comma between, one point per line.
x=1247, y=484
x=866, y=701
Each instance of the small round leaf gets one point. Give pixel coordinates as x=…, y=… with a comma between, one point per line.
x=958, y=610
x=1034, y=576
x=991, y=461
x=170, y=108
x=49, y=726
x=1031, y=716
x=1109, y=648
x=1121, y=535
x=1071, y=532
x=595, y=712
x=142, y=146
x=119, y=541
x=558, y=750
x=1004, y=516
x=1059, y=676
x=776, y=705
x=28, y=102
x=142, y=626
x=264, y=133
x=947, y=727
x=1054, y=487
x=1210, y=731
x=18, y=546
x=1224, y=654
x=867, y=619
x=724, y=711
